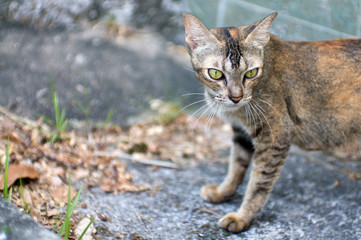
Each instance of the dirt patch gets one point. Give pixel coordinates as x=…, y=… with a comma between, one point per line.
x=96, y=158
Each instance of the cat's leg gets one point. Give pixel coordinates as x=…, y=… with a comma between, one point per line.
x=267, y=165
x=241, y=154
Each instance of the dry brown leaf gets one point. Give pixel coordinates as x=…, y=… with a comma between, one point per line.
x=135, y=188
x=103, y=218
x=81, y=174
x=17, y=171
x=12, y=136
x=108, y=185
x=60, y=194
x=33, y=153
x=27, y=196
x=36, y=137
x=52, y=212
x=67, y=159
x=55, y=181
x=119, y=236
x=7, y=125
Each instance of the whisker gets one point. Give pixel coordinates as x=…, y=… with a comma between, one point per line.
x=189, y=94
x=255, y=110
x=207, y=122
x=209, y=107
x=256, y=116
x=252, y=118
x=191, y=104
x=205, y=105
x=256, y=106
x=259, y=106
x=189, y=69
x=211, y=116
x=270, y=106
x=219, y=110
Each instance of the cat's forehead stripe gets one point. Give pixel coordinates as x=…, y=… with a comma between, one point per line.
x=226, y=33
x=233, y=49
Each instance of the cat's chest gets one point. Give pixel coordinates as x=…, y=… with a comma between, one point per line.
x=240, y=119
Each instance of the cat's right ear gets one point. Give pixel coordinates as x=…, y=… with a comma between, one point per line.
x=259, y=35
x=197, y=35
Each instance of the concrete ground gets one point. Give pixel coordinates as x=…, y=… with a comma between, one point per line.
x=313, y=199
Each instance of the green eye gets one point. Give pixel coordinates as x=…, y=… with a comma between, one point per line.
x=251, y=73
x=215, y=74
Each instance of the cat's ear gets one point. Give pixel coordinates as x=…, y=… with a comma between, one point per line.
x=197, y=35
x=259, y=34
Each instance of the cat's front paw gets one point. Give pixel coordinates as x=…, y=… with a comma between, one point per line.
x=233, y=223
x=211, y=194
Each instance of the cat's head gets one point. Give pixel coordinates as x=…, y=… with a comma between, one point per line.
x=227, y=61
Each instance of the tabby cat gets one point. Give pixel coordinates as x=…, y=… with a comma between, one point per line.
x=274, y=93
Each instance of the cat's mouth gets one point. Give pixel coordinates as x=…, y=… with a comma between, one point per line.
x=225, y=104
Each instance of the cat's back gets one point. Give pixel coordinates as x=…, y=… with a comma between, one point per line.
x=324, y=85
x=339, y=50
x=336, y=60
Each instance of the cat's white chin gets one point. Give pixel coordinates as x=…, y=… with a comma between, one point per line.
x=226, y=106
x=231, y=107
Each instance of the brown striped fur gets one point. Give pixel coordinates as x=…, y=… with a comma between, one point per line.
x=306, y=93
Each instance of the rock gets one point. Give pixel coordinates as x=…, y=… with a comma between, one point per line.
x=15, y=225
x=81, y=226
x=118, y=76
x=119, y=72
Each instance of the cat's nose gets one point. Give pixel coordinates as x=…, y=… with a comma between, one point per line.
x=235, y=99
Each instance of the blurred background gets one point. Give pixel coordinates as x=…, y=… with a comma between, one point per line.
x=119, y=55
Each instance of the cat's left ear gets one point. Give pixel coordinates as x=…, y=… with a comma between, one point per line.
x=259, y=34
x=197, y=35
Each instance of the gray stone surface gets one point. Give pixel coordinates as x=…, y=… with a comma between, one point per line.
x=15, y=225
x=123, y=76
x=305, y=203
x=121, y=72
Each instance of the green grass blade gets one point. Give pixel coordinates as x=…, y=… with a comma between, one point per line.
x=6, y=173
x=66, y=225
x=55, y=99
x=76, y=200
x=63, y=122
x=22, y=193
x=109, y=116
x=82, y=107
x=26, y=206
x=70, y=207
x=10, y=194
x=68, y=213
x=54, y=138
x=60, y=114
x=61, y=231
x=57, y=112
x=65, y=228
x=86, y=229
x=57, y=225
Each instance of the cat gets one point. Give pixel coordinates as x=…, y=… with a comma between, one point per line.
x=274, y=93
